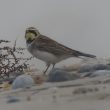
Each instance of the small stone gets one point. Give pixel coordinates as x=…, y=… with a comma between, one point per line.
x=28, y=98
x=100, y=73
x=96, y=89
x=23, y=81
x=59, y=75
x=12, y=99
x=38, y=79
x=93, y=67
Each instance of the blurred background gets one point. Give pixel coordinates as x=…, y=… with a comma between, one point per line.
x=79, y=24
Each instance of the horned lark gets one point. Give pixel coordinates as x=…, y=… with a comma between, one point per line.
x=48, y=50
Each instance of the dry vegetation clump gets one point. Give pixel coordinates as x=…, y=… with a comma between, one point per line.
x=12, y=59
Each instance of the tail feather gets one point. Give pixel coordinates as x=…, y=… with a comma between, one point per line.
x=78, y=53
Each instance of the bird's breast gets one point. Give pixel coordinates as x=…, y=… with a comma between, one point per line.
x=44, y=56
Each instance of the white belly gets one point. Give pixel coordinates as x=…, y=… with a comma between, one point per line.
x=45, y=56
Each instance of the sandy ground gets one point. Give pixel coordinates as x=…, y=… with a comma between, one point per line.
x=81, y=94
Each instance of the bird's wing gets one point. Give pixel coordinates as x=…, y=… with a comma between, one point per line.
x=44, y=43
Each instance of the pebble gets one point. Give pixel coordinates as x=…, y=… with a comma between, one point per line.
x=13, y=99
x=23, y=81
x=59, y=75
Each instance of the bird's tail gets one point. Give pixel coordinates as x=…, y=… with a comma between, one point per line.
x=78, y=54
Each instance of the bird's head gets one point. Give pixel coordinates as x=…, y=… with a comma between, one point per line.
x=31, y=34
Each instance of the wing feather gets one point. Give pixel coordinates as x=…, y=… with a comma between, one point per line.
x=44, y=43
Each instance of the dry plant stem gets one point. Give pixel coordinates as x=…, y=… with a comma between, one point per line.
x=9, y=60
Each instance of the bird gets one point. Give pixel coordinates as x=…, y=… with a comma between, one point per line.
x=49, y=50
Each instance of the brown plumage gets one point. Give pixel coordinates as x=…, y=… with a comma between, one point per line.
x=48, y=50
x=44, y=43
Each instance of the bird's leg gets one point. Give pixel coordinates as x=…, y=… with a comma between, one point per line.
x=48, y=65
x=53, y=66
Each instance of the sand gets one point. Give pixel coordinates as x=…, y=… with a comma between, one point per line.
x=81, y=94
